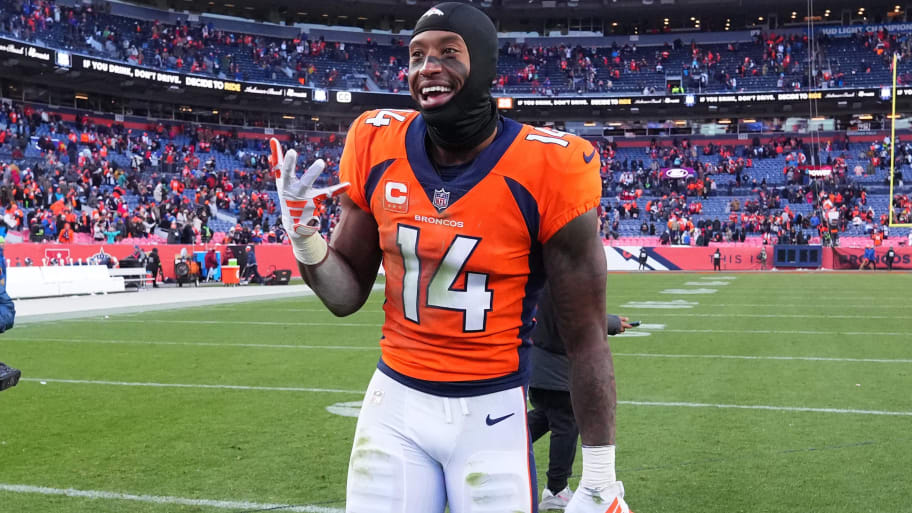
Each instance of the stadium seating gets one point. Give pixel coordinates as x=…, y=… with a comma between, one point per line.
x=523, y=69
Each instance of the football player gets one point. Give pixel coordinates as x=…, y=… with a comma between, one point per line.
x=469, y=211
x=9, y=376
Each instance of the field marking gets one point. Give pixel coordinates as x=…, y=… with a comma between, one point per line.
x=777, y=358
x=631, y=403
x=165, y=499
x=346, y=409
x=377, y=348
x=708, y=283
x=254, y=323
x=689, y=291
x=188, y=385
x=770, y=408
x=192, y=344
x=822, y=304
x=302, y=310
x=676, y=304
x=778, y=316
x=797, y=332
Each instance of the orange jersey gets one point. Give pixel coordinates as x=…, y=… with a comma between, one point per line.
x=463, y=257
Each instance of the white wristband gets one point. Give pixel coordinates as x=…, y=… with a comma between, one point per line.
x=598, y=467
x=310, y=250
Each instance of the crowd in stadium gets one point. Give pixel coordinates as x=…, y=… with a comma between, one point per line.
x=837, y=200
x=114, y=183
x=185, y=47
x=771, y=60
x=170, y=181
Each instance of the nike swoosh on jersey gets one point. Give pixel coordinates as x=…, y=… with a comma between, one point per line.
x=489, y=421
x=588, y=158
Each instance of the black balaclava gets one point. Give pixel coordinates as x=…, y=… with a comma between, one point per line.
x=471, y=115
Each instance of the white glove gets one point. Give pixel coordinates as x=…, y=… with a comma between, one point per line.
x=606, y=500
x=298, y=200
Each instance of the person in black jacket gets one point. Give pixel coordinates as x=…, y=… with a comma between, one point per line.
x=890, y=258
x=549, y=393
x=8, y=375
x=153, y=265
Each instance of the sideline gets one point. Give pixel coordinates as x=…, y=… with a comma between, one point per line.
x=165, y=499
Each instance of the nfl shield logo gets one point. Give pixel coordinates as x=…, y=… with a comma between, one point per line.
x=441, y=199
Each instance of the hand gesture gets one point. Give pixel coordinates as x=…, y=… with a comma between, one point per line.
x=297, y=196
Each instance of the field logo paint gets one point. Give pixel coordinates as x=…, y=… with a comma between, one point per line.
x=346, y=409
x=689, y=291
x=676, y=304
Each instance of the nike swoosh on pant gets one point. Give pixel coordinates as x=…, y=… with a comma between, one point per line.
x=489, y=421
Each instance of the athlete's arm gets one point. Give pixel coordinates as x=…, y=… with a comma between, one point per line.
x=574, y=260
x=343, y=280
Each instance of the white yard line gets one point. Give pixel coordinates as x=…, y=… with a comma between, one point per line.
x=377, y=325
x=189, y=385
x=777, y=358
x=325, y=390
x=821, y=315
x=377, y=348
x=823, y=303
x=165, y=499
x=205, y=321
x=797, y=332
x=770, y=408
x=293, y=310
x=191, y=344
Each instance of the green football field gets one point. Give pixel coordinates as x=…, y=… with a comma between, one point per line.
x=772, y=392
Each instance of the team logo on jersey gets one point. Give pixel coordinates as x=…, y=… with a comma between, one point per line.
x=441, y=199
x=395, y=196
x=433, y=11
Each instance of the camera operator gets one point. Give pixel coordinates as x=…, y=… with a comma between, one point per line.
x=8, y=375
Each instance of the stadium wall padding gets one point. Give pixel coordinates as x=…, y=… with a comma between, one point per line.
x=268, y=255
x=675, y=258
x=850, y=258
x=619, y=258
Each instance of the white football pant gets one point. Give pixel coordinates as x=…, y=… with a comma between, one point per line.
x=417, y=453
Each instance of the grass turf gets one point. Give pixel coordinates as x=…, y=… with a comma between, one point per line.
x=850, y=331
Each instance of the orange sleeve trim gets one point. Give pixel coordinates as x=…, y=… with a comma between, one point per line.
x=558, y=222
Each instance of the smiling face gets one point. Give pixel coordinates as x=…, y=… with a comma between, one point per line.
x=438, y=67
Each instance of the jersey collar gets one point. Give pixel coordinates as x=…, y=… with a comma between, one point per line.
x=416, y=152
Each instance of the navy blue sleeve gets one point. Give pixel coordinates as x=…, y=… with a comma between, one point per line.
x=7, y=310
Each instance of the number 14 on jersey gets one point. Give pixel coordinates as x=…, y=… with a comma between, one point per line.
x=474, y=301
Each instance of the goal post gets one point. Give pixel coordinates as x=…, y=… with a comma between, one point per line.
x=890, y=222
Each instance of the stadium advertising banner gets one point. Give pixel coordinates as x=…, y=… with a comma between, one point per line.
x=683, y=258
x=11, y=47
x=673, y=173
x=619, y=258
x=704, y=99
x=854, y=29
x=193, y=81
x=169, y=78
x=850, y=258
